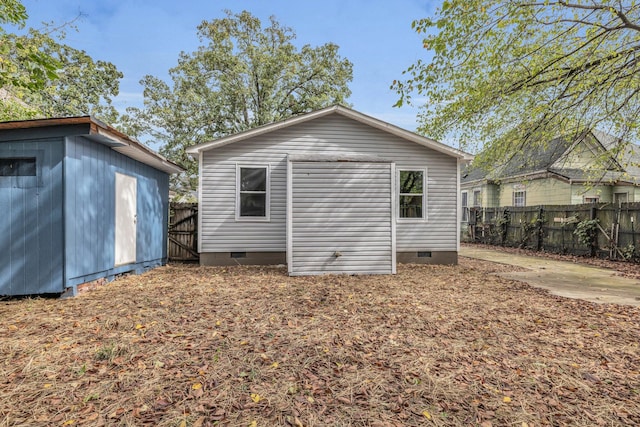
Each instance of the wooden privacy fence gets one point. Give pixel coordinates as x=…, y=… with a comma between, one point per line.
x=183, y=232
x=602, y=230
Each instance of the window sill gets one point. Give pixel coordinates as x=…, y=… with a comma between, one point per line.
x=411, y=220
x=252, y=219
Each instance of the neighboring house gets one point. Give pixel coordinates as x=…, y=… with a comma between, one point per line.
x=332, y=191
x=563, y=172
x=80, y=201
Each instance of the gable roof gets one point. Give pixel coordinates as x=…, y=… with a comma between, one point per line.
x=551, y=158
x=336, y=109
x=533, y=159
x=97, y=131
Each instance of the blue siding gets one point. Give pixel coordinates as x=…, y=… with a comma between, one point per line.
x=31, y=232
x=90, y=170
x=57, y=228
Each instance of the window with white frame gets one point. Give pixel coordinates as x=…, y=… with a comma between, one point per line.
x=519, y=198
x=592, y=199
x=411, y=194
x=252, y=192
x=477, y=198
x=465, y=206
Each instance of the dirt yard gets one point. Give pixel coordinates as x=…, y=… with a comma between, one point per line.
x=192, y=346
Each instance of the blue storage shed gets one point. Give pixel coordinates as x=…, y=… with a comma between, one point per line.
x=79, y=201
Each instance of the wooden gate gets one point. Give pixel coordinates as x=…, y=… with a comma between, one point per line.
x=183, y=232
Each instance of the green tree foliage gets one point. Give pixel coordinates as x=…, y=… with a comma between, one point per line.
x=42, y=77
x=243, y=75
x=82, y=85
x=22, y=63
x=505, y=73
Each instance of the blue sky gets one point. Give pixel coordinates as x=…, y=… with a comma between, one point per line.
x=145, y=37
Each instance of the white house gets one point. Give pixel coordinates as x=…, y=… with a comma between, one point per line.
x=332, y=191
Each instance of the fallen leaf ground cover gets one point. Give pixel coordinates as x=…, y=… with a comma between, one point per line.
x=249, y=346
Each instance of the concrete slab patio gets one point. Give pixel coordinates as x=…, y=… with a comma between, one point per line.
x=563, y=278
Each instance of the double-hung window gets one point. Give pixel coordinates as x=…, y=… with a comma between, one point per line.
x=477, y=198
x=252, y=192
x=465, y=206
x=519, y=198
x=411, y=194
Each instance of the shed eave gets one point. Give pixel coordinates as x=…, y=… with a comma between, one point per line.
x=135, y=150
x=104, y=134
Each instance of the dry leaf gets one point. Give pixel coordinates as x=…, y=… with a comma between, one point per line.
x=359, y=366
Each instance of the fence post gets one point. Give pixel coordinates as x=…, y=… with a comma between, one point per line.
x=615, y=230
x=540, y=221
x=633, y=235
x=506, y=220
x=593, y=239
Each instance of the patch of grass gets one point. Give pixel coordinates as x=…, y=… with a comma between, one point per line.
x=109, y=352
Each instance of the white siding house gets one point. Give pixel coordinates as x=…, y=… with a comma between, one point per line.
x=332, y=191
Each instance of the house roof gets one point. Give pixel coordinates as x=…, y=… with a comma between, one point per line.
x=550, y=159
x=104, y=134
x=336, y=109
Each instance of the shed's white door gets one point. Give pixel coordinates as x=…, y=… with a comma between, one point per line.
x=125, y=240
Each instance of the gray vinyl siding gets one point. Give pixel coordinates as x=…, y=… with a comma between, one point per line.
x=220, y=232
x=341, y=208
